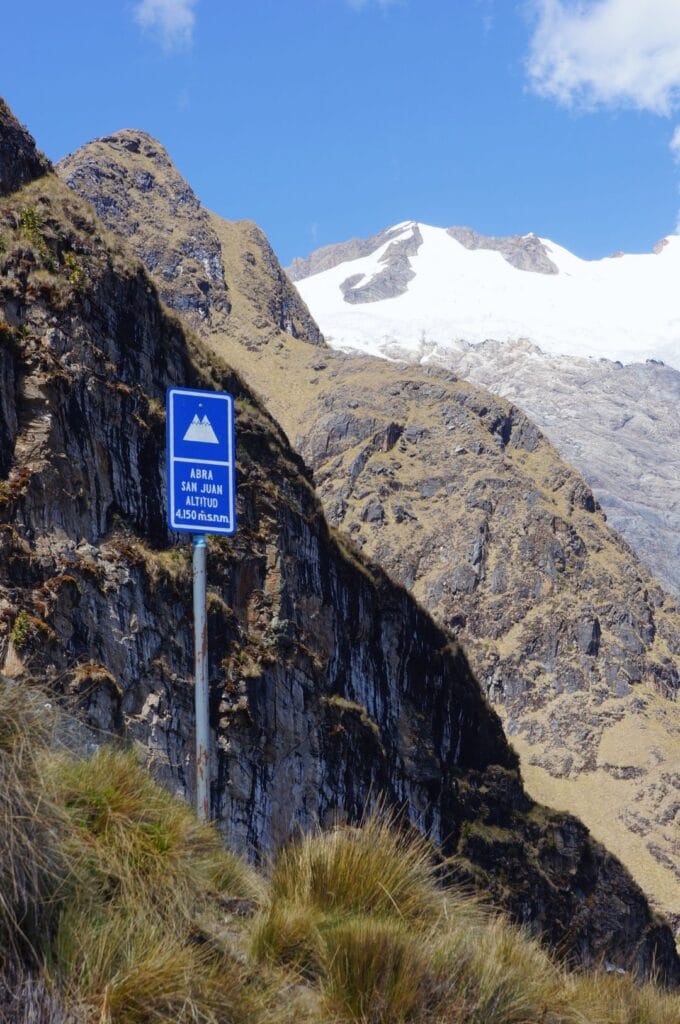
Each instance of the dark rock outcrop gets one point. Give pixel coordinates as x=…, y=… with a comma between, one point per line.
x=393, y=276
x=188, y=263
x=20, y=160
x=333, y=255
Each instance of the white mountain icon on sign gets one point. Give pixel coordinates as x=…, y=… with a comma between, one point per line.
x=201, y=430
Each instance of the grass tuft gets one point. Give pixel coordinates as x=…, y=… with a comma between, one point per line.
x=375, y=972
x=361, y=912
x=602, y=998
x=376, y=869
x=130, y=944
x=289, y=935
x=130, y=835
x=127, y=965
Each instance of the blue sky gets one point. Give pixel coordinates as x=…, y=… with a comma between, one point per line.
x=323, y=119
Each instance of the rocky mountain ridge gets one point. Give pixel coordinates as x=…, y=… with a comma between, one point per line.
x=470, y=288
x=328, y=682
x=460, y=497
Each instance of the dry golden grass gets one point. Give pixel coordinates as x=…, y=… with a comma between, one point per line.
x=31, y=870
x=144, y=871
x=376, y=869
x=375, y=972
x=128, y=965
x=609, y=999
x=289, y=935
x=493, y=974
x=361, y=912
x=130, y=834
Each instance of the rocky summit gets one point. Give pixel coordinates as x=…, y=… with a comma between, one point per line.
x=461, y=498
x=329, y=684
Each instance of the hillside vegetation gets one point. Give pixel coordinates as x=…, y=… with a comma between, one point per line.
x=118, y=907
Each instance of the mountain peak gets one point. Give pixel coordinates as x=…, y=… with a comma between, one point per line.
x=138, y=192
x=138, y=142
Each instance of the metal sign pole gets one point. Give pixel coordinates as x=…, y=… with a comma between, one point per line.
x=201, y=456
x=201, y=679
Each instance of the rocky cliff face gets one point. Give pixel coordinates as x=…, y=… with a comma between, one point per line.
x=20, y=161
x=462, y=499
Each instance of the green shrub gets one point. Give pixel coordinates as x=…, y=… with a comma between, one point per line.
x=31, y=228
x=76, y=273
x=22, y=631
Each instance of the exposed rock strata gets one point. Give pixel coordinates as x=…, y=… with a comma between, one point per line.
x=462, y=499
x=616, y=423
x=525, y=252
x=183, y=253
x=188, y=265
x=328, y=683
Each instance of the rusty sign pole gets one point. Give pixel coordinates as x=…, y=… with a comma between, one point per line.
x=201, y=679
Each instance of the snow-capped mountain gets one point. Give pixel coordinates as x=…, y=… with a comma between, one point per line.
x=589, y=348
x=416, y=283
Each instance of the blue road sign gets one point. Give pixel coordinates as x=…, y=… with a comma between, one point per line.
x=201, y=461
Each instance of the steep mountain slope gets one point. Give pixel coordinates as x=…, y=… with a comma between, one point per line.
x=483, y=306
x=329, y=685
x=462, y=500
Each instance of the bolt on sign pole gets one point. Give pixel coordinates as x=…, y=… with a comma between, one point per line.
x=201, y=500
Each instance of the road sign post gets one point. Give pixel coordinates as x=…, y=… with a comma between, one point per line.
x=201, y=680
x=201, y=500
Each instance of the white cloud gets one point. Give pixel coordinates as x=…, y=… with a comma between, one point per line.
x=611, y=53
x=675, y=144
x=487, y=13
x=359, y=5
x=171, y=20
